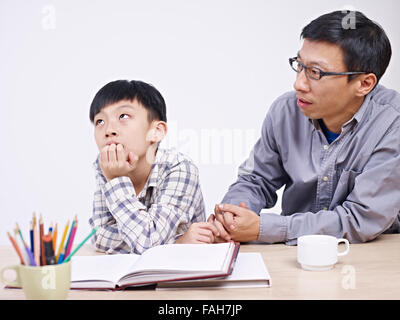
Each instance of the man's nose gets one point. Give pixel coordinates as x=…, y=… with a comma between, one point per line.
x=302, y=82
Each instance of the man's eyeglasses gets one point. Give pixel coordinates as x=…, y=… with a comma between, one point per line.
x=314, y=72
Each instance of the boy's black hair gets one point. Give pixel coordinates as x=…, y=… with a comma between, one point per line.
x=364, y=43
x=118, y=90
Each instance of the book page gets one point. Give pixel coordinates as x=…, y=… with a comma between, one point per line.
x=249, y=266
x=185, y=258
x=249, y=271
x=102, y=268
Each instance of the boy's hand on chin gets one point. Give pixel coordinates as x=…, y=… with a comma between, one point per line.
x=115, y=161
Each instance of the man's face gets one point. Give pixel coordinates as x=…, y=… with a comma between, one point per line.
x=329, y=97
x=124, y=122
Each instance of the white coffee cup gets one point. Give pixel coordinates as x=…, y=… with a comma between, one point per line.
x=319, y=252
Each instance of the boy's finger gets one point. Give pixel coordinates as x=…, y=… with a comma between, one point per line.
x=112, y=156
x=205, y=239
x=205, y=232
x=120, y=152
x=210, y=226
x=104, y=155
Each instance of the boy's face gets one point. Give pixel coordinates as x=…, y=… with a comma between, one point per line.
x=126, y=123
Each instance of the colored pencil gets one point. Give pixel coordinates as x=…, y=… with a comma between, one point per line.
x=15, y=245
x=19, y=232
x=20, y=245
x=71, y=239
x=41, y=234
x=81, y=244
x=55, y=239
x=62, y=241
x=70, y=232
x=26, y=252
x=61, y=258
x=36, y=243
x=31, y=236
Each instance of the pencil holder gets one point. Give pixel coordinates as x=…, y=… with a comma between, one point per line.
x=50, y=282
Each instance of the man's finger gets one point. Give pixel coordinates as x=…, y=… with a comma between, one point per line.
x=243, y=205
x=229, y=222
x=236, y=210
x=217, y=209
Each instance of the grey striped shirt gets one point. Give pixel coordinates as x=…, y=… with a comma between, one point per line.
x=349, y=188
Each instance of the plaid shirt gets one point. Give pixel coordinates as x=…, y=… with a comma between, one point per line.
x=169, y=203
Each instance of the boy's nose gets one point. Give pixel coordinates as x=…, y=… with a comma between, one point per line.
x=111, y=134
x=111, y=131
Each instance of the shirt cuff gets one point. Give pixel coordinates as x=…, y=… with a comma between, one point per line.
x=273, y=228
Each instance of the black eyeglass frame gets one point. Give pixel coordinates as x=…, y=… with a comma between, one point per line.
x=321, y=73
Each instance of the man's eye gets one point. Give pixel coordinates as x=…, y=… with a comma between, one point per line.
x=99, y=121
x=314, y=71
x=124, y=116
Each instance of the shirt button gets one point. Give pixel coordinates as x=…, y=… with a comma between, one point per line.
x=325, y=178
x=326, y=147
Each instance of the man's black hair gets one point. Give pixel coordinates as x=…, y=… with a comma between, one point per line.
x=118, y=90
x=364, y=43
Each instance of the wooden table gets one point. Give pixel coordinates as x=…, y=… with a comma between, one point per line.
x=370, y=271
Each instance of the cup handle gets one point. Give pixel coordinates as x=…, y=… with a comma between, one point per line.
x=346, y=251
x=16, y=282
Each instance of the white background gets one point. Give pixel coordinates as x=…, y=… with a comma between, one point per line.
x=218, y=64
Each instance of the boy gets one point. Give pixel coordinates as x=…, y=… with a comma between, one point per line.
x=145, y=196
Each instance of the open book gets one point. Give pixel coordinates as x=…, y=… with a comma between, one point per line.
x=249, y=272
x=171, y=262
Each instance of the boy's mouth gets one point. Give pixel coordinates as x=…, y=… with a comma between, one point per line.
x=112, y=142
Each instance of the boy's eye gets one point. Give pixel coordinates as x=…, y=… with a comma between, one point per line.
x=99, y=121
x=124, y=116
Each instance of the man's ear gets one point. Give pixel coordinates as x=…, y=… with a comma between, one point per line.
x=365, y=84
x=157, y=132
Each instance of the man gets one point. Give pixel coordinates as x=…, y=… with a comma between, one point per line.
x=334, y=144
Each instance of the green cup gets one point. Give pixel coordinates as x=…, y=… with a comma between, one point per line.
x=41, y=283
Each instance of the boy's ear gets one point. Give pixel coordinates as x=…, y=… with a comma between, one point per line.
x=157, y=132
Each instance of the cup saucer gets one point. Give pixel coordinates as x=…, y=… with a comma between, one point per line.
x=316, y=268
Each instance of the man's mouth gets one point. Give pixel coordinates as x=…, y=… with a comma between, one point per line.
x=303, y=103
